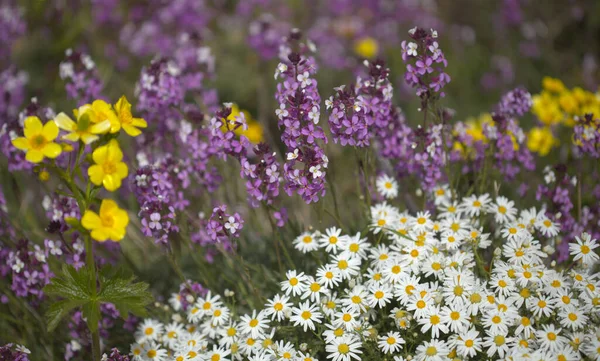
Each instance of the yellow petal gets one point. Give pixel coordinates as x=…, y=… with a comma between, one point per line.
x=34, y=156
x=121, y=219
x=64, y=122
x=139, y=122
x=122, y=170
x=108, y=206
x=100, y=154
x=114, y=151
x=100, y=234
x=96, y=174
x=122, y=105
x=33, y=127
x=88, y=138
x=116, y=234
x=52, y=150
x=111, y=182
x=20, y=143
x=131, y=131
x=91, y=220
x=71, y=137
x=50, y=131
x=100, y=128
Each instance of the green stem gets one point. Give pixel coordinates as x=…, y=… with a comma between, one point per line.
x=89, y=257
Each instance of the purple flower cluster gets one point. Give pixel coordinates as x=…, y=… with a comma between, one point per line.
x=360, y=112
x=260, y=169
x=159, y=90
x=27, y=266
x=12, y=26
x=82, y=81
x=425, y=64
x=262, y=178
x=223, y=227
x=415, y=152
x=157, y=192
x=515, y=103
x=265, y=35
x=299, y=112
x=587, y=135
x=12, y=87
x=10, y=352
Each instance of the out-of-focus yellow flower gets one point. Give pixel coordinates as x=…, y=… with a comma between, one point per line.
x=109, y=170
x=541, y=140
x=38, y=141
x=109, y=223
x=547, y=109
x=366, y=47
x=129, y=124
x=83, y=129
x=254, y=133
x=553, y=85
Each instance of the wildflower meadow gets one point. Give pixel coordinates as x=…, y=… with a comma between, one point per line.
x=282, y=180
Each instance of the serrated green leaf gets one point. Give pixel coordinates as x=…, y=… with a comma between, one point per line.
x=127, y=295
x=58, y=310
x=72, y=284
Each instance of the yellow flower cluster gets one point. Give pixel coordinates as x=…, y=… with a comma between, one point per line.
x=254, y=133
x=557, y=104
x=91, y=122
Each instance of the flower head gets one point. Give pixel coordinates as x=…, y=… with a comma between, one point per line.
x=126, y=120
x=109, y=223
x=109, y=169
x=84, y=129
x=38, y=141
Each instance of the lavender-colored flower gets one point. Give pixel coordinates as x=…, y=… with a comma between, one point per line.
x=299, y=105
x=12, y=352
x=12, y=26
x=515, y=103
x=425, y=64
x=81, y=77
x=223, y=227
x=586, y=135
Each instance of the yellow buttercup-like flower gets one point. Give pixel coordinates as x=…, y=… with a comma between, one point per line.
x=109, y=223
x=129, y=124
x=109, y=169
x=366, y=47
x=84, y=129
x=254, y=133
x=541, y=140
x=38, y=141
x=99, y=111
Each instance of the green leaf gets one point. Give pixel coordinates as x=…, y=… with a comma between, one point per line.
x=73, y=285
x=75, y=223
x=58, y=310
x=127, y=295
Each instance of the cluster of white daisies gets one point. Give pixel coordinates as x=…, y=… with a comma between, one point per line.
x=419, y=290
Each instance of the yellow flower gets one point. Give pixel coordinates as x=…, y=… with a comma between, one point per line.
x=547, y=109
x=109, y=224
x=109, y=170
x=553, y=85
x=541, y=140
x=254, y=133
x=39, y=140
x=126, y=119
x=84, y=129
x=366, y=47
